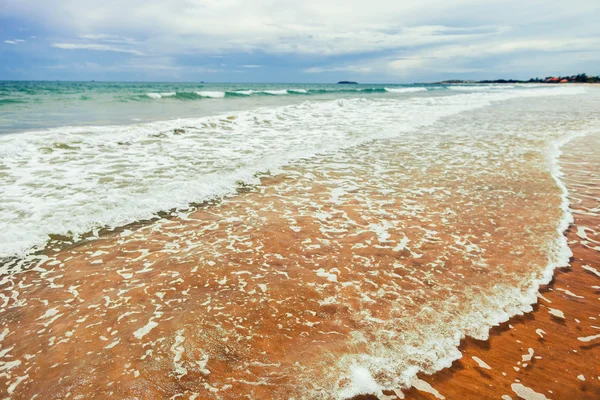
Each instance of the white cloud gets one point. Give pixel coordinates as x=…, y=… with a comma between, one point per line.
x=107, y=38
x=349, y=68
x=315, y=27
x=167, y=67
x=447, y=58
x=250, y=66
x=10, y=42
x=372, y=37
x=95, y=47
x=152, y=66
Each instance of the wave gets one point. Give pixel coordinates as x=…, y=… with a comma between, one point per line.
x=181, y=95
x=212, y=95
x=279, y=92
x=177, y=162
x=240, y=93
x=405, y=90
x=11, y=101
x=273, y=92
x=160, y=95
x=221, y=94
x=469, y=88
x=492, y=307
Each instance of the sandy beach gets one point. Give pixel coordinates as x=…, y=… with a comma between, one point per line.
x=339, y=274
x=299, y=200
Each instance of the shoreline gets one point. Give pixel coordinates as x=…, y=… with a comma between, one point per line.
x=562, y=330
x=161, y=268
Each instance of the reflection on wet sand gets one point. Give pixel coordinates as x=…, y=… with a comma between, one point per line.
x=342, y=274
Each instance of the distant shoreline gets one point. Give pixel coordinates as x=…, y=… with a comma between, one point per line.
x=579, y=78
x=511, y=83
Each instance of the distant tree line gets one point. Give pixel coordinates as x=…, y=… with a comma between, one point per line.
x=579, y=78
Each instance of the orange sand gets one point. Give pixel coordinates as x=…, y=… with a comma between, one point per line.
x=264, y=295
x=565, y=362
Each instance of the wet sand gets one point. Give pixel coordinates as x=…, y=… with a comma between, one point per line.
x=363, y=262
x=555, y=350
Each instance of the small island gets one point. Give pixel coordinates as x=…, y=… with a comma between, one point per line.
x=347, y=83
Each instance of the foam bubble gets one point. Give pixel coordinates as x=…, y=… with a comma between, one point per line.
x=526, y=393
x=481, y=363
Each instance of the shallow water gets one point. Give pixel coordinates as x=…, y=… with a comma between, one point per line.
x=553, y=351
x=71, y=180
x=363, y=260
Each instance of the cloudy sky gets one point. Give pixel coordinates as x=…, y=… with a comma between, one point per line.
x=297, y=40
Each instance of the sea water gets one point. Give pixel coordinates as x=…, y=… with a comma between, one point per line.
x=299, y=244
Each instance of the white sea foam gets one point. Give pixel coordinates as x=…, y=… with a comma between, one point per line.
x=212, y=95
x=481, y=363
x=279, y=92
x=161, y=95
x=72, y=180
x=591, y=270
x=143, y=331
x=244, y=92
x=588, y=338
x=495, y=308
x=526, y=393
x=275, y=92
x=471, y=88
x=361, y=383
x=406, y=90
x=212, y=147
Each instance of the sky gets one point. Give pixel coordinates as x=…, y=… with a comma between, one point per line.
x=370, y=41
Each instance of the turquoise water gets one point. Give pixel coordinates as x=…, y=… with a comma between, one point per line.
x=79, y=156
x=38, y=105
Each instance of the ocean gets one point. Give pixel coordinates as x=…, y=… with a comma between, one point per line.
x=272, y=240
x=35, y=105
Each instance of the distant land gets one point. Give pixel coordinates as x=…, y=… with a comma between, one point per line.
x=580, y=78
x=347, y=83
